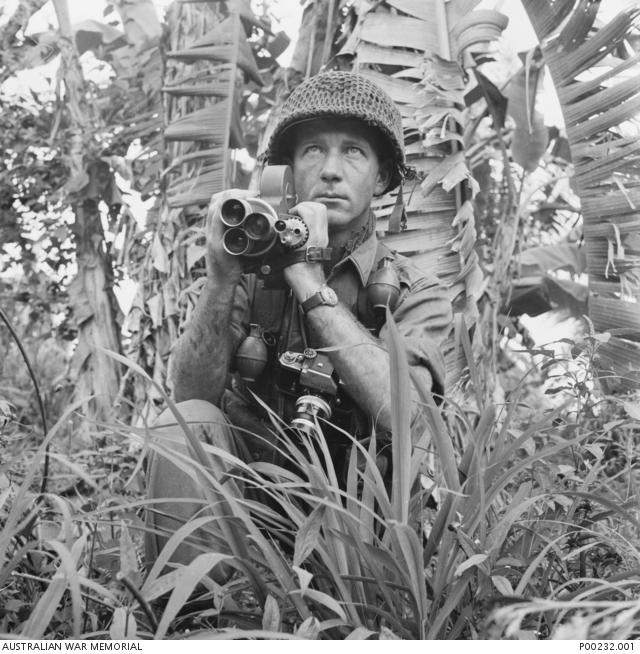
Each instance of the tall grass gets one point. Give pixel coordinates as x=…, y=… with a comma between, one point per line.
x=509, y=523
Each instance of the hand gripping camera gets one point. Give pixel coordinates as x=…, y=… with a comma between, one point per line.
x=260, y=229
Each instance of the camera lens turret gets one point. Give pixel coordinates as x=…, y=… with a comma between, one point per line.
x=234, y=211
x=257, y=226
x=235, y=241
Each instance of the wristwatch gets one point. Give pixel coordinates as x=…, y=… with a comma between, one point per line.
x=324, y=295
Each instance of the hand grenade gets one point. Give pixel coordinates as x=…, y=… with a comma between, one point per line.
x=383, y=288
x=251, y=357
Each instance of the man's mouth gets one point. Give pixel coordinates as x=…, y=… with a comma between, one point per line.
x=328, y=197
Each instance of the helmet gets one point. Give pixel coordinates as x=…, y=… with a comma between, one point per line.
x=347, y=95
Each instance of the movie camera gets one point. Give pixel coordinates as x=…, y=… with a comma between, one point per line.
x=260, y=229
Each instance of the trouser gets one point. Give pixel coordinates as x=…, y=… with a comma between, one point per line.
x=166, y=479
x=184, y=494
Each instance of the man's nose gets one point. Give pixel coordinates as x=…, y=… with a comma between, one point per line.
x=331, y=167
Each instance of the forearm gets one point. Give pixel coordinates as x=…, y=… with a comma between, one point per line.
x=201, y=357
x=361, y=361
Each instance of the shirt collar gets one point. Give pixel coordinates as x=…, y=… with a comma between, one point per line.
x=363, y=258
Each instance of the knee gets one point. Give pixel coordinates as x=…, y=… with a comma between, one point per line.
x=192, y=411
x=205, y=420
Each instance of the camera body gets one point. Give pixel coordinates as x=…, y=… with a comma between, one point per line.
x=310, y=377
x=260, y=229
x=309, y=370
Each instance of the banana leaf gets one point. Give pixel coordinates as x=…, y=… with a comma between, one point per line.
x=530, y=137
x=389, y=30
x=598, y=105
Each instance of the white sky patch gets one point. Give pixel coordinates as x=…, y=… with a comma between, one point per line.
x=287, y=14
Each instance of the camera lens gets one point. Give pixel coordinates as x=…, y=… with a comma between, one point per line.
x=308, y=409
x=257, y=226
x=235, y=241
x=233, y=212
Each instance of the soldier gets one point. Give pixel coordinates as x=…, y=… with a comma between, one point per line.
x=342, y=136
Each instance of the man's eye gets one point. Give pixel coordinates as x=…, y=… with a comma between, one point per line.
x=312, y=149
x=354, y=149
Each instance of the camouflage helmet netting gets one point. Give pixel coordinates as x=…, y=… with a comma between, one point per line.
x=347, y=95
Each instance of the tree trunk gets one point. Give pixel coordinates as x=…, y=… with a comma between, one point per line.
x=94, y=306
x=91, y=292
x=313, y=46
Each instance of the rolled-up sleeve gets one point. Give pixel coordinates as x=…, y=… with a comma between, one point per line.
x=240, y=314
x=424, y=318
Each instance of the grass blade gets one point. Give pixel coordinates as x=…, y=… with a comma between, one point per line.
x=400, y=401
x=192, y=574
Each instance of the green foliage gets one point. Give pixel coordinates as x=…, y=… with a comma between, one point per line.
x=31, y=177
x=36, y=307
x=519, y=522
x=511, y=520
x=595, y=67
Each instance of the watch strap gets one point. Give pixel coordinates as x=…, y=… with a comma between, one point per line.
x=312, y=254
x=319, y=298
x=272, y=266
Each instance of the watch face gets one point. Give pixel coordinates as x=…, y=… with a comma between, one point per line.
x=329, y=296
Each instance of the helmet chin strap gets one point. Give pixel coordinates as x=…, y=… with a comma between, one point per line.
x=398, y=217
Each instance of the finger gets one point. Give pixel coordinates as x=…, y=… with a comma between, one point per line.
x=311, y=210
x=213, y=211
x=299, y=210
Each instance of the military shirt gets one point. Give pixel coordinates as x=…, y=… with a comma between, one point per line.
x=422, y=314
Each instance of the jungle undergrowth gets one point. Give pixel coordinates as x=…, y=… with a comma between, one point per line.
x=535, y=507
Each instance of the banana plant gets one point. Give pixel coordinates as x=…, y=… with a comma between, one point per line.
x=597, y=77
x=209, y=63
x=91, y=291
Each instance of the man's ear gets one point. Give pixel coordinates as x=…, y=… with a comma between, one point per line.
x=384, y=176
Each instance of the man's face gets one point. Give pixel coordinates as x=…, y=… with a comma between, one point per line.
x=335, y=163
